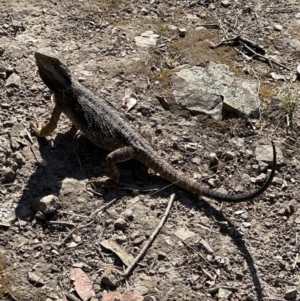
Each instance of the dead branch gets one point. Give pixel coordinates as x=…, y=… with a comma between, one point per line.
x=256, y=49
x=151, y=239
x=269, y=60
x=239, y=39
x=203, y=270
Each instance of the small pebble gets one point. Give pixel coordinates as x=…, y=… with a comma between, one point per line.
x=121, y=239
x=225, y=3
x=138, y=241
x=120, y=223
x=230, y=155
x=291, y=293
x=128, y=214
x=260, y=178
x=161, y=255
x=182, y=32
x=278, y=27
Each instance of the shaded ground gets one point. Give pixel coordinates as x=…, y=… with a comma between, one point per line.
x=255, y=255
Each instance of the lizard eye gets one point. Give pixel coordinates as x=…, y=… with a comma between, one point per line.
x=52, y=62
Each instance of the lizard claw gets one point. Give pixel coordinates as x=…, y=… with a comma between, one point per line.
x=37, y=128
x=103, y=182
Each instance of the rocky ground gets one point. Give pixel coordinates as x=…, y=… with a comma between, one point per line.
x=206, y=250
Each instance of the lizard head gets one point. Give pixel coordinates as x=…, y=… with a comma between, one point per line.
x=52, y=69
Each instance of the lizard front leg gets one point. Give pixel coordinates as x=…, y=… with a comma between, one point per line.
x=43, y=129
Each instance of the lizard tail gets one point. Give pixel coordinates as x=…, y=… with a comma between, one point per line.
x=179, y=178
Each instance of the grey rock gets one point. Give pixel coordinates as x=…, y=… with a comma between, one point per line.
x=35, y=279
x=289, y=44
x=291, y=293
x=246, y=224
x=214, y=89
x=109, y=279
x=230, y=155
x=161, y=255
x=14, y=52
x=265, y=153
x=26, y=39
x=277, y=181
x=6, y=174
x=224, y=294
x=13, y=81
x=239, y=189
x=182, y=32
x=128, y=214
x=260, y=178
x=144, y=11
x=47, y=204
x=120, y=239
x=120, y=224
x=162, y=270
x=225, y=3
x=213, y=183
x=135, y=234
x=262, y=166
x=278, y=27
x=138, y=240
x=194, y=98
x=146, y=39
x=196, y=160
x=246, y=178
x=19, y=158
x=213, y=164
x=172, y=27
x=9, y=69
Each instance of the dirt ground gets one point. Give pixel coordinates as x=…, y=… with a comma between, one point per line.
x=246, y=251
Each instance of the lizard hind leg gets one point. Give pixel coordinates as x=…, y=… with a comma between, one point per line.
x=119, y=155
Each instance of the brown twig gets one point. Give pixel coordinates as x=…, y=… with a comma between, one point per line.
x=87, y=218
x=209, y=25
x=203, y=270
x=269, y=60
x=151, y=239
x=60, y=223
x=35, y=156
x=213, y=290
x=239, y=39
x=256, y=49
x=29, y=136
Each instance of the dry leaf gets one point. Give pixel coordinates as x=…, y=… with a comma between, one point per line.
x=127, y=296
x=184, y=233
x=128, y=100
x=72, y=244
x=111, y=245
x=82, y=283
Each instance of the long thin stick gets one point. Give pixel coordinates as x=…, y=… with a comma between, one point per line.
x=151, y=239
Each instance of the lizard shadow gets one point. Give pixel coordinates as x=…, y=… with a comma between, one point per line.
x=60, y=173
x=192, y=201
x=236, y=237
